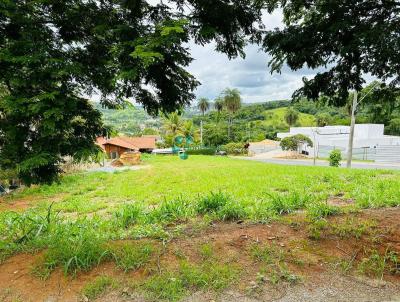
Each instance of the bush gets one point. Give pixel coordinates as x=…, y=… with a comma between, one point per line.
x=292, y=143
x=202, y=151
x=334, y=158
x=234, y=148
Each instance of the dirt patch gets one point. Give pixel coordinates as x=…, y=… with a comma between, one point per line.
x=24, y=203
x=339, y=201
x=345, y=238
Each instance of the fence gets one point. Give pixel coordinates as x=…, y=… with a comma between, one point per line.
x=358, y=153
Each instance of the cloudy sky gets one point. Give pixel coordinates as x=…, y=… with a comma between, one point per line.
x=250, y=75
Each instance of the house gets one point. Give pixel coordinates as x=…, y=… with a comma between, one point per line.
x=116, y=146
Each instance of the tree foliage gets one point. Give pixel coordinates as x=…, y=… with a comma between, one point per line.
x=203, y=105
x=348, y=39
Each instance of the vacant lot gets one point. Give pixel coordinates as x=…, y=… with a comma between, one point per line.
x=206, y=225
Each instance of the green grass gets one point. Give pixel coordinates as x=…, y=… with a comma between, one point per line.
x=132, y=257
x=248, y=182
x=91, y=209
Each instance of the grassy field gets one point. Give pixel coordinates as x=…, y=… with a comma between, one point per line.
x=248, y=183
x=79, y=222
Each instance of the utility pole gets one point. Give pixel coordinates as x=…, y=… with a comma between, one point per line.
x=201, y=133
x=356, y=102
x=352, y=126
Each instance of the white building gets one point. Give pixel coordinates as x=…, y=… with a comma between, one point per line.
x=366, y=136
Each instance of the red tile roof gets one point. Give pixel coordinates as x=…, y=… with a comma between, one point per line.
x=134, y=143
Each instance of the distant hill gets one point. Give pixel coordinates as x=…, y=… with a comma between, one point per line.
x=129, y=121
x=276, y=117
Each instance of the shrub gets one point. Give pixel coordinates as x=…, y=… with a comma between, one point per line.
x=202, y=151
x=234, y=148
x=334, y=158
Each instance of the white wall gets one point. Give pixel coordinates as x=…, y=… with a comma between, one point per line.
x=365, y=135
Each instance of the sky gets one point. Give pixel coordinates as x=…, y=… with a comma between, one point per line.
x=250, y=75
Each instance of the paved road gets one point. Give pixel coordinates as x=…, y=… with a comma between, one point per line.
x=321, y=163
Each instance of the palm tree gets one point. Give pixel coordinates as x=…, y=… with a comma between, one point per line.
x=219, y=106
x=232, y=102
x=203, y=105
x=291, y=116
x=189, y=129
x=172, y=126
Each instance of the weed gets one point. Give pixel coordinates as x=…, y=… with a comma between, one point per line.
x=281, y=273
x=75, y=246
x=165, y=286
x=174, y=285
x=353, y=228
x=129, y=214
x=287, y=203
x=97, y=287
x=231, y=211
x=320, y=210
x=212, y=203
x=172, y=210
x=132, y=256
x=267, y=253
x=316, y=228
x=375, y=264
x=206, y=252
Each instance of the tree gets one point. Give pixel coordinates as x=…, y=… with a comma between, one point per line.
x=323, y=119
x=218, y=106
x=394, y=127
x=291, y=116
x=189, y=129
x=54, y=52
x=232, y=102
x=203, y=105
x=348, y=39
x=172, y=126
x=293, y=143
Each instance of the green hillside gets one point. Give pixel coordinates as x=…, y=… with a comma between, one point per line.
x=275, y=117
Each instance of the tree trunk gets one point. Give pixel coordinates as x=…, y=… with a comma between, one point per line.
x=352, y=126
